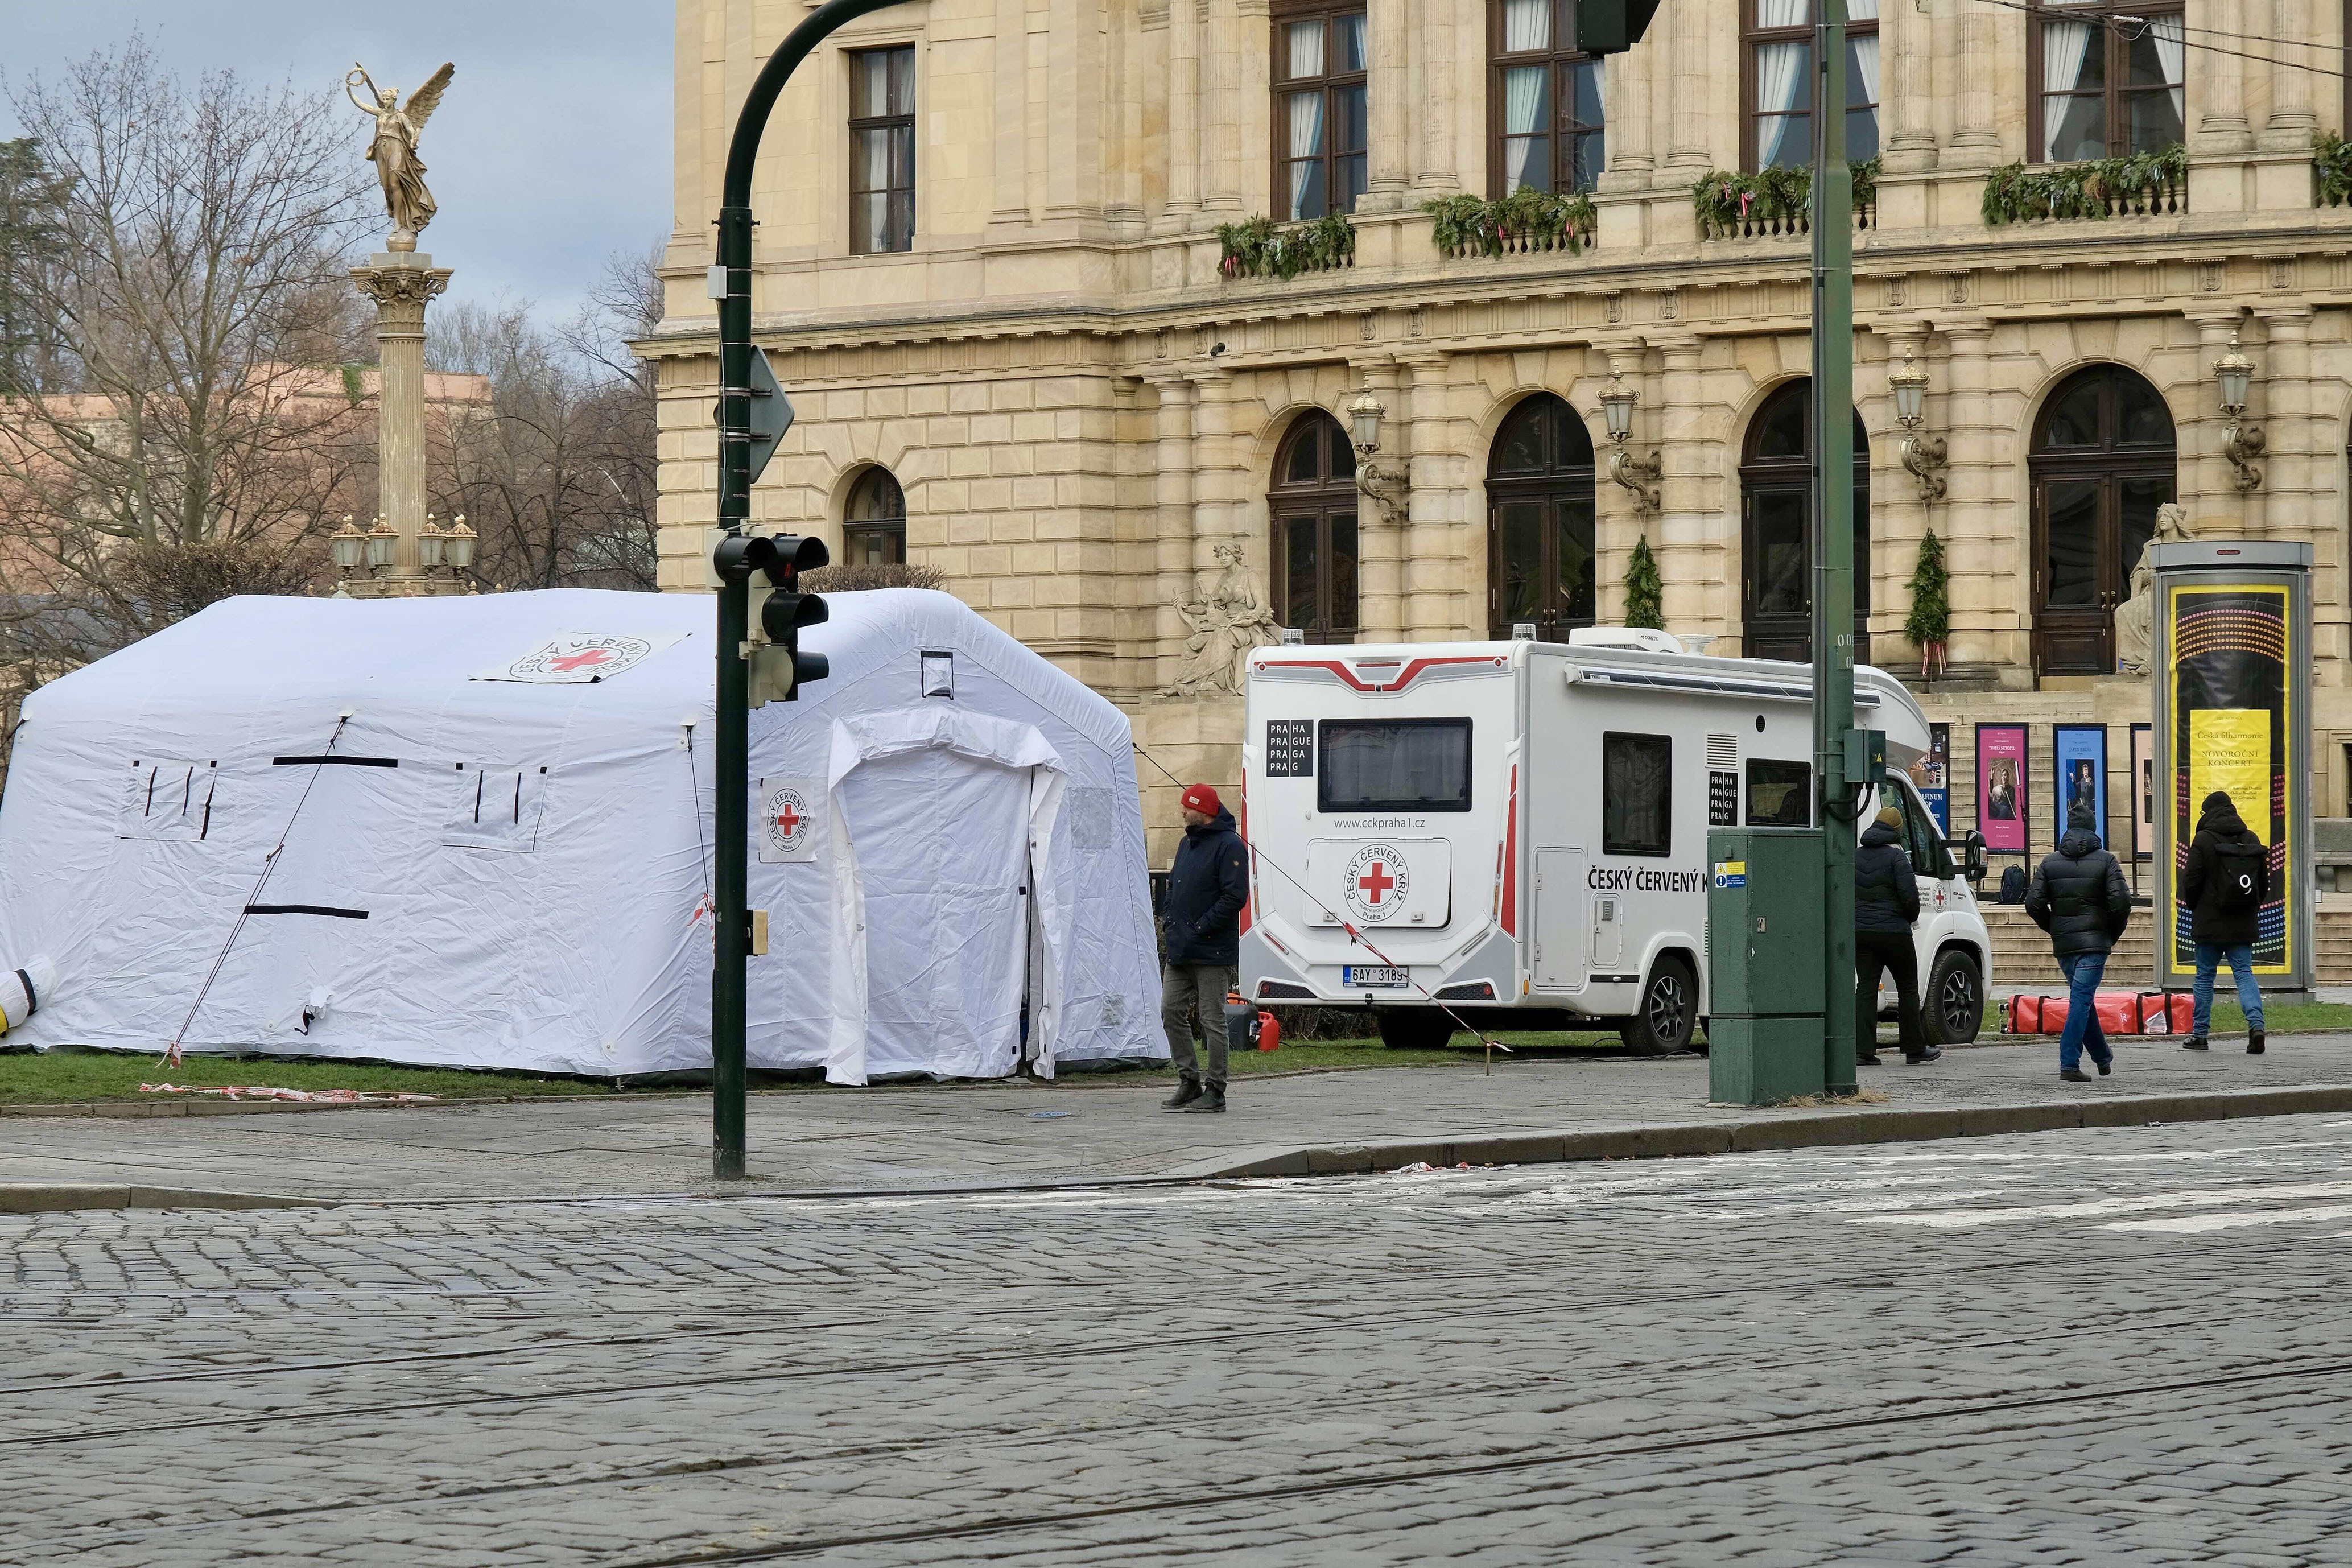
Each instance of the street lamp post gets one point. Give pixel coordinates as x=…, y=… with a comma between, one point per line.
x=732, y=744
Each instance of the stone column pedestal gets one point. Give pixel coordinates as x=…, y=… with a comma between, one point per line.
x=400, y=283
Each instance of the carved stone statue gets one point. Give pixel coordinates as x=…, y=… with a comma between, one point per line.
x=1226, y=624
x=393, y=150
x=2135, y=617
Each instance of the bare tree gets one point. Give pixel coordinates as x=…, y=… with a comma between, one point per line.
x=558, y=476
x=200, y=293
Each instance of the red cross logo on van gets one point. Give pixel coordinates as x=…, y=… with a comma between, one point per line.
x=1375, y=882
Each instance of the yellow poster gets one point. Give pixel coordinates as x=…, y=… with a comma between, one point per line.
x=2230, y=749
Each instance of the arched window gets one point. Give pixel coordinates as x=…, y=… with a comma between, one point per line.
x=1778, y=82
x=1543, y=103
x=1540, y=547
x=874, y=524
x=2102, y=461
x=1776, y=588
x=1313, y=508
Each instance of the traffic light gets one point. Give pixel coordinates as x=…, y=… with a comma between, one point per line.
x=1611, y=26
x=778, y=611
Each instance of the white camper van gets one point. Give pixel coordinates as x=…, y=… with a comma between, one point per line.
x=1523, y=825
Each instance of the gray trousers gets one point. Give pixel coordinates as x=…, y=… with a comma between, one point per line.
x=1183, y=988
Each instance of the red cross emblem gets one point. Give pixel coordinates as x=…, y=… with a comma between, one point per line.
x=1377, y=882
x=789, y=819
x=585, y=660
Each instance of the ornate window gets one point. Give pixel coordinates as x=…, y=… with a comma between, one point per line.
x=882, y=151
x=1544, y=104
x=1540, y=545
x=1313, y=508
x=2103, y=461
x=1775, y=577
x=2105, y=80
x=873, y=523
x=1778, y=82
x=1321, y=132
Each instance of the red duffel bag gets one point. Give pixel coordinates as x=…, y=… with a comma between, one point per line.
x=2120, y=1012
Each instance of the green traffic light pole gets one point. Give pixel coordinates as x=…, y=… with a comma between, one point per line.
x=732, y=750
x=1832, y=533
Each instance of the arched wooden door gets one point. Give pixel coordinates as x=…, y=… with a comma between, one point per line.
x=1312, y=504
x=1540, y=543
x=2104, y=459
x=1776, y=558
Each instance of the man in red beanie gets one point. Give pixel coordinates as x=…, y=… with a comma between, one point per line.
x=1200, y=922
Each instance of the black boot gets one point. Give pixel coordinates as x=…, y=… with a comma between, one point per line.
x=1188, y=1090
x=1211, y=1098
x=1923, y=1054
x=2254, y=1044
x=2194, y=1043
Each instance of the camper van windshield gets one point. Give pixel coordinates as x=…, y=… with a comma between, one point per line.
x=1395, y=764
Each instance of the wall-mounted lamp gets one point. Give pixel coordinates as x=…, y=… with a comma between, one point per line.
x=2240, y=442
x=1386, y=486
x=1639, y=474
x=1922, y=455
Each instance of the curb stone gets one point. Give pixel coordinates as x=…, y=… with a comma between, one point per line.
x=53, y=1197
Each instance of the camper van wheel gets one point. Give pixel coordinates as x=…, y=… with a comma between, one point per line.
x=1415, y=1029
x=1955, y=999
x=1668, y=1012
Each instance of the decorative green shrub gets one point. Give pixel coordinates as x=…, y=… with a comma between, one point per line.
x=1255, y=248
x=1645, y=591
x=2331, y=168
x=2099, y=188
x=1528, y=219
x=1725, y=202
x=1930, y=621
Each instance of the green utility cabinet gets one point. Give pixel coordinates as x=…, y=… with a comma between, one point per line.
x=1765, y=941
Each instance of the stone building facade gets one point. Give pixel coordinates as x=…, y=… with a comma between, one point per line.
x=990, y=262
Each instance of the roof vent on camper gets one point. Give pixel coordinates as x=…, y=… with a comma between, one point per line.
x=1523, y=631
x=1294, y=637
x=1637, y=639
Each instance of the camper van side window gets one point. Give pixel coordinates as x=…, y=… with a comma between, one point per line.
x=1395, y=764
x=1779, y=794
x=1637, y=781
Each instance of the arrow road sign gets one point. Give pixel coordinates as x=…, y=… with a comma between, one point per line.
x=772, y=411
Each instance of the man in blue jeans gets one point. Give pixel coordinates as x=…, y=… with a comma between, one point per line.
x=2224, y=884
x=2079, y=898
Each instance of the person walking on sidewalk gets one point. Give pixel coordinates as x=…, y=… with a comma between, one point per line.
x=1201, y=923
x=2225, y=884
x=2079, y=898
x=1886, y=906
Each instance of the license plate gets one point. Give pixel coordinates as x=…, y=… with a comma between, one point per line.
x=1373, y=975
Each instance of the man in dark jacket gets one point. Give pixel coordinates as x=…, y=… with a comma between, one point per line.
x=2079, y=898
x=1200, y=922
x=2223, y=886
x=1886, y=906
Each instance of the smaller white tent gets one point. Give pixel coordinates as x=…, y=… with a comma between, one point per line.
x=503, y=857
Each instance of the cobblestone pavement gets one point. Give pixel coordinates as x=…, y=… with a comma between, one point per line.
x=2116, y=1346
x=1083, y=1128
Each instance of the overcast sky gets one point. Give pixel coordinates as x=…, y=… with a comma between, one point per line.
x=549, y=152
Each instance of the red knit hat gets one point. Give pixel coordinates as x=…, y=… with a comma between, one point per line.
x=1202, y=799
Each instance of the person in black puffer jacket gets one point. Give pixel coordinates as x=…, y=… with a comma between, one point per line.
x=1200, y=920
x=1885, y=905
x=2225, y=884
x=2079, y=898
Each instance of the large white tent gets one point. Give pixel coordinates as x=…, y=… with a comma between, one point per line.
x=503, y=859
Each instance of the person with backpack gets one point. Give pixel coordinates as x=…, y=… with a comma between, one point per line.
x=1885, y=905
x=2223, y=886
x=2079, y=896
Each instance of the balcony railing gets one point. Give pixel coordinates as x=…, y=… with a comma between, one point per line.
x=2145, y=184
x=1777, y=201
x=1255, y=247
x=1526, y=221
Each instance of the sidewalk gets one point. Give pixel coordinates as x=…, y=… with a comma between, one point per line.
x=1110, y=1128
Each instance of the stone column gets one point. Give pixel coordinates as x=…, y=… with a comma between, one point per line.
x=2289, y=127
x=1214, y=495
x=1388, y=103
x=1173, y=549
x=1183, y=114
x=1990, y=567
x=1433, y=550
x=1627, y=85
x=1692, y=570
x=1010, y=157
x=2213, y=502
x=1895, y=550
x=1434, y=42
x=1381, y=544
x=400, y=283
x=1222, y=67
x=1907, y=43
x=2291, y=469
x=1975, y=140
x=1074, y=119
x=2218, y=91
x=1687, y=148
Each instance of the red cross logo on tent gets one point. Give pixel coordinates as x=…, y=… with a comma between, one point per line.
x=789, y=819
x=1376, y=882
x=784, y=821
x=586, y=658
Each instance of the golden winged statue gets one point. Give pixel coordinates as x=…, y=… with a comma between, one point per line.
x=393, y=150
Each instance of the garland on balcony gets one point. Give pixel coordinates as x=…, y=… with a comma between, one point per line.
x=2015, y=193
x=2331, y=167
x=1255, y=248
x=1646, y=590
x=1527, y=219
x=1726, y=201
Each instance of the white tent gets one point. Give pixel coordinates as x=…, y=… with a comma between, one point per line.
x=503, y=861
